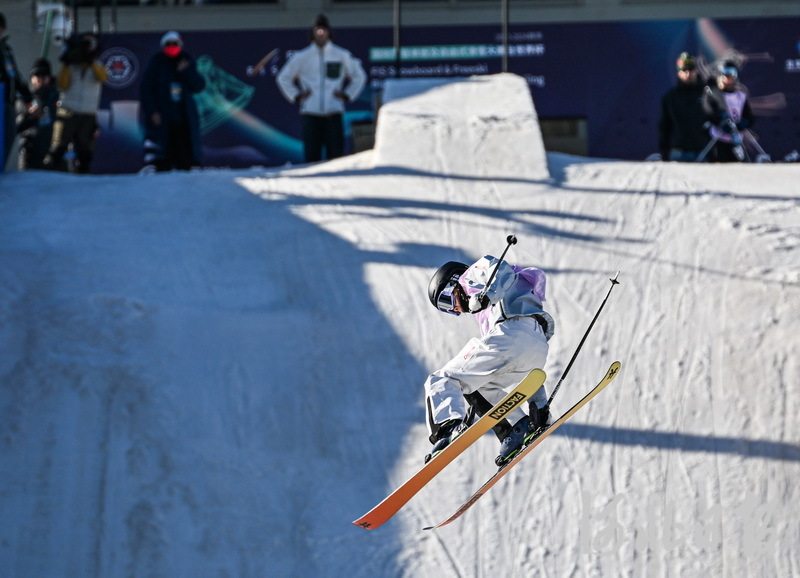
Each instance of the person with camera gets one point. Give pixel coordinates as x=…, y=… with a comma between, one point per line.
x=35, y=124
x=80, y=81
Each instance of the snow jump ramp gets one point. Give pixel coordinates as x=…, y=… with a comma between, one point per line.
x=481, y=126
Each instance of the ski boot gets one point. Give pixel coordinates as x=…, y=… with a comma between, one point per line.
x=523, y=433
x=515, y=440
x=541, y=419
x=447, y=432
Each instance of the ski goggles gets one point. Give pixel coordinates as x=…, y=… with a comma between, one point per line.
x=730, y=72
x=446, y=301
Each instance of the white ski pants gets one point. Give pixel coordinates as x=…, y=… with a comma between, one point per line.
x=491, y=365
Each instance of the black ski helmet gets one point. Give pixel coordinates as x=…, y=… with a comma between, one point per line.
x=442, y=277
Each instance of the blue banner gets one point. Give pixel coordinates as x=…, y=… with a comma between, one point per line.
x=612, y=74
x=2, y=127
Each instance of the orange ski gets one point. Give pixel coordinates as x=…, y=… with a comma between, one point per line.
x=609, y=377
x=378, y=515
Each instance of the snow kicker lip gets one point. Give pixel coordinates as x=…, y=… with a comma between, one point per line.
x=508, y=406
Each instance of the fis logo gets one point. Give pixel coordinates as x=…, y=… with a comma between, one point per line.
x=121, y=65
x=509, y=405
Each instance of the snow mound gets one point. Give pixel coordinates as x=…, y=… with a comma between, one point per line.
x=457, y=127
x=213, y=373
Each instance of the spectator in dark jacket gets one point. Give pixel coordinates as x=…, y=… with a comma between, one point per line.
x=169, y=113
x=35, y=125
x=13, y=85
x=682, y=135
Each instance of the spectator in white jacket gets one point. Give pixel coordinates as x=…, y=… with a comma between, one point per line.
x=322, y=78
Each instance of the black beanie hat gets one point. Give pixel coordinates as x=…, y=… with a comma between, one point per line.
x=322, y=22
x=41, y=67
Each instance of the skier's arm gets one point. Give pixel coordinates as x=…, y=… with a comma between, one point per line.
x=475, y=278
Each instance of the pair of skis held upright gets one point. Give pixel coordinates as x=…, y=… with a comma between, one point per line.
x=532, y=382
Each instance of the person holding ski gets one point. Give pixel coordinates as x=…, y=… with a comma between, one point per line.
x=35, y=124
x=728, y=107
x=506, y=301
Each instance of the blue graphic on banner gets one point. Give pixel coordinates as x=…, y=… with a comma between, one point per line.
x=612, y=74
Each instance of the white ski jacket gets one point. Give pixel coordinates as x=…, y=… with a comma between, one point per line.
x=322, y=72
x=514, y=292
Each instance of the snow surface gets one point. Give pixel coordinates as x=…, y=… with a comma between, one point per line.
x=211, y=374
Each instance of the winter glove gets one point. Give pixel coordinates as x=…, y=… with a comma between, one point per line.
x=728, y=126
x=478, y=302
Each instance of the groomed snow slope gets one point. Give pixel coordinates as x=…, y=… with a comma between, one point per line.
x=211, y=374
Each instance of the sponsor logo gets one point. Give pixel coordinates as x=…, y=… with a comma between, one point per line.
x=793, y=64
x=122, y=66
x=509, y=405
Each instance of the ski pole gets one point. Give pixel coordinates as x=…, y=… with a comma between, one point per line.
x=585, y=335
x=511, y=240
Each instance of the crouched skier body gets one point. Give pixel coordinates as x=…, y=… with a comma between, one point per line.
x=514, y=334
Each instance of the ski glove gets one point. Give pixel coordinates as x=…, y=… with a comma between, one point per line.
x=728, y=126
x=478, y=302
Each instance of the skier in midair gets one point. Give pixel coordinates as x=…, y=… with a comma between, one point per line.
x=514, y=334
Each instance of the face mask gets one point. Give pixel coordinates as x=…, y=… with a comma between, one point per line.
x=172, y=50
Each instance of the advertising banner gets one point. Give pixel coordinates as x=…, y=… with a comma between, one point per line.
x=610, y=74
x=2, y=127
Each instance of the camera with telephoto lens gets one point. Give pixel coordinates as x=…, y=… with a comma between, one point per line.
x=80, y=49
